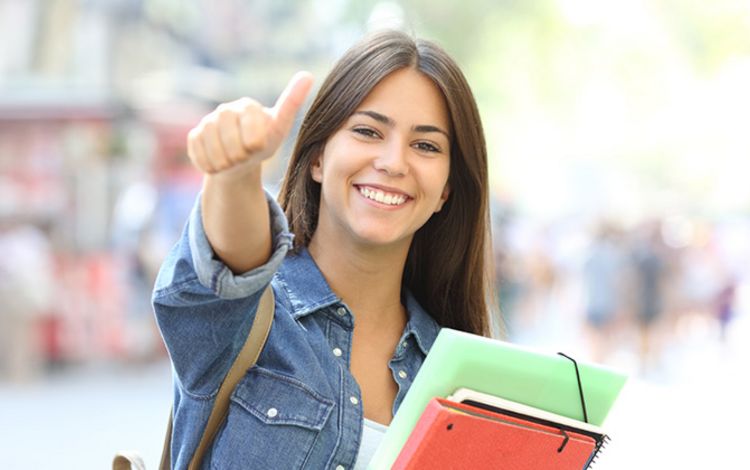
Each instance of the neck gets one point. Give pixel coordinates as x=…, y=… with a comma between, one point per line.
x=368, y=279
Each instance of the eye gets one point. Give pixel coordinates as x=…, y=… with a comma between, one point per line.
x=426, y=147
x=366, y=132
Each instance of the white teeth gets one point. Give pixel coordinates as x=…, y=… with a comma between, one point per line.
x=382, y=197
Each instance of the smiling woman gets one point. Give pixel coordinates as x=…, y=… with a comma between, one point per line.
x=385, y=198
x=448, y=260
x=382, y=176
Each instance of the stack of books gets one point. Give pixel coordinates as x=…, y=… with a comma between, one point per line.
x=486, y=404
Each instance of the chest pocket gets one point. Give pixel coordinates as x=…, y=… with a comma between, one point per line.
x=273, y=422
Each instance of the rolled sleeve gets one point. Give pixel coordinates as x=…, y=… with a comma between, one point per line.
x=204, y=311
x=216, y=276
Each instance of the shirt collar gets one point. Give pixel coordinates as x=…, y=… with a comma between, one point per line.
x=305, y=285
x=308, y=292
x=421, y=325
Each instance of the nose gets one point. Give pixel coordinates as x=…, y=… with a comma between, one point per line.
x=393, y=159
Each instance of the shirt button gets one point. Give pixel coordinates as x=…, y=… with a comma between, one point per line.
x=341, y=311
x=353, y=400
x=340, y=467
x=402, y=374
x=404, y=344
x=337, y=352
x=272, y=412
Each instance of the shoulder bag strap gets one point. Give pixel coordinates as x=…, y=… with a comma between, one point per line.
x=247, y=358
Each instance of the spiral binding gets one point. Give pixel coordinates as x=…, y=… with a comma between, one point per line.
x=599, y=446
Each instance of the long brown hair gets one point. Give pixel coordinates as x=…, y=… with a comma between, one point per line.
x=448, y=266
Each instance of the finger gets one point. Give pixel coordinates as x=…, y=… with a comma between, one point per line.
x=253, y=128
x=216, y=160
x=290, y=101
x=195, y=150
x=229, y=133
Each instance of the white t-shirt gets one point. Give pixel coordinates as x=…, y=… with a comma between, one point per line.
x=372, y=435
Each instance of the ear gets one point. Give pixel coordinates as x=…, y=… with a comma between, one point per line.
x=443, y=197
x=316, y=168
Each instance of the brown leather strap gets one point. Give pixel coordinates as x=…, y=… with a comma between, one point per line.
x=247, y=358
x=166, y=451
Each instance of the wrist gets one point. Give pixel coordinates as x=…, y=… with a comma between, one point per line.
x=242, y=177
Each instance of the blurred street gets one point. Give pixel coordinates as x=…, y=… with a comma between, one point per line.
x=79, y=419
x=690, y=417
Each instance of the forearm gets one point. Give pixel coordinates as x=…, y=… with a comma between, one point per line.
x=236, y=220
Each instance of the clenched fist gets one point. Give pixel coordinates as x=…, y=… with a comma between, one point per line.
x=243, y=133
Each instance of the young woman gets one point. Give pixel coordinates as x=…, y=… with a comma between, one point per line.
x=383, y=239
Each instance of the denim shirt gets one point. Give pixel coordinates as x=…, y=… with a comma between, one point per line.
x=299, y=406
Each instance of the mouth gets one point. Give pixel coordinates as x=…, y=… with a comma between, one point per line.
x=389, y=198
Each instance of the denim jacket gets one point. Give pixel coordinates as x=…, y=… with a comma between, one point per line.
x=299, y=406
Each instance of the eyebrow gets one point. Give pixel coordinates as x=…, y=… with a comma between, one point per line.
x=391, y=123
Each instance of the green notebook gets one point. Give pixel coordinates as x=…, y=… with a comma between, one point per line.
x=542, y=380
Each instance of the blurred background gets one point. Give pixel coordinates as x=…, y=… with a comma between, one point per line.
x=619, y=145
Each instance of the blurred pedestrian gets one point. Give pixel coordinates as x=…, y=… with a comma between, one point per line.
x=649, y=263
x=604, y=273
x=725, y=307
x=26, y=284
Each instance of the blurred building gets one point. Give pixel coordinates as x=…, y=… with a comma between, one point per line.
x=96, y=99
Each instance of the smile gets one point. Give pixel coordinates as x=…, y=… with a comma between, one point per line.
x=382, y=197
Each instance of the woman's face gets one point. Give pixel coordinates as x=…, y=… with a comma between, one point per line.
x=384, y=172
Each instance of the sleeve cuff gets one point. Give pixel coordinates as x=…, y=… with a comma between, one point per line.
x=215, y=275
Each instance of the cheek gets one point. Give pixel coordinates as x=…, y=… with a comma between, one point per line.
x=341, y=165
x=440, y=189
x=439, y=178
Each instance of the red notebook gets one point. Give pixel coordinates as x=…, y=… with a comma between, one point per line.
x=453, y=435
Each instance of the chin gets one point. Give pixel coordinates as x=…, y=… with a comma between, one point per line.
x=380, y=238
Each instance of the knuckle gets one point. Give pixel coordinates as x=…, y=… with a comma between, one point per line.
x=218, y=166
x=192, y=137
x=262, y=140
x=241, y=158
x=211, y=164
x=223, y=107
x=248, y=103
x=197, y=131
x=209, y=126
x=255, y=143
x=194, y=153
x=253, y=111
x=226, y=113
x=236, y=154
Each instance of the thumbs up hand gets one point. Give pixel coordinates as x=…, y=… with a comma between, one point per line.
x=240, y=134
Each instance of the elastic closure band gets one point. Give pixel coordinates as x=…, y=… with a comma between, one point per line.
x=580, y=387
